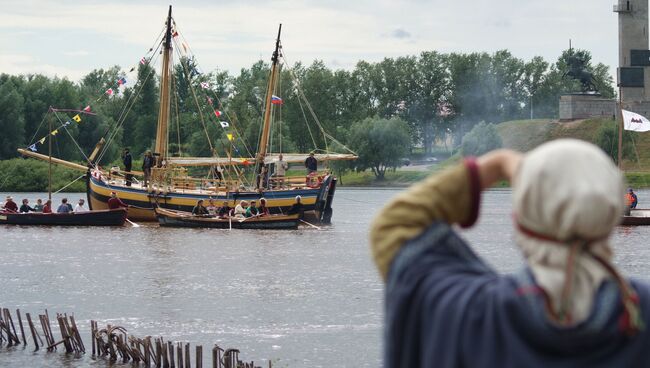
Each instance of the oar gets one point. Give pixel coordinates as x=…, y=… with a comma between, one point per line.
x=132, y=223
x=229, y=223
x=312, y=225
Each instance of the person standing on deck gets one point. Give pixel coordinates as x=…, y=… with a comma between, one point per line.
x=631, y=197
x=311, y=163
x=569, y=305
x=147, y=164
x=127, y=160
x=281, y=168
x=115, y=202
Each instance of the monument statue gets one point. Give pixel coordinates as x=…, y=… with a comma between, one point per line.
x=577, y=64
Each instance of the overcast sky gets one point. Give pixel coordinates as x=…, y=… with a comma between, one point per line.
x=69, y=38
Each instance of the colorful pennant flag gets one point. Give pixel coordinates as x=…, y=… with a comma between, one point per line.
x=109, y=91
x=224, y=124
x=66, y=123
x=143, y=60
x=230, y=137
x=184, y=46
x=210, y=100
x=276, y=100
x=246, y=162
x=205, y=85
x=635, y=122
x=217, y=113
x=175, y=34
x=77, y=118
x=33, y=147
x=42, y=141
x=132, y=69
x=55, y=132
x=121, y=81
x=87, y=108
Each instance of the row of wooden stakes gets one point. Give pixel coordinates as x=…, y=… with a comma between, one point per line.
x=113, y=343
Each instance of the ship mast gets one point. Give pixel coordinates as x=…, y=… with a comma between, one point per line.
x=160, y=150
x=266, y=130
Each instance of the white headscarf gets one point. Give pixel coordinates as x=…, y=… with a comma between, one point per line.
x=568, y=196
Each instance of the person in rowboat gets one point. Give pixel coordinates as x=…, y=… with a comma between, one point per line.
x=212, y=209
x=199, y=209
x=114, y=202
x=262, y=210
x=240, y=209
x=10, y=205
x=47, y=208
x=296, y=207
x=38, y=207
x=25, y=208
x=252, y=211
x=64, y=207
x=80, y=207
x=569, y=306
x=225, y=210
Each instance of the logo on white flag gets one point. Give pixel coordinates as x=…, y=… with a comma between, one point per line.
x=635, y=122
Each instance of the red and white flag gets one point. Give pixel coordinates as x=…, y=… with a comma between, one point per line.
x=217, y=113
x=109, y=91
x=635, y=122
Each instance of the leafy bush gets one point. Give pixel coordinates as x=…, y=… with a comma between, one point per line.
x=607, y=140
x=481, y=139
x=28, y=175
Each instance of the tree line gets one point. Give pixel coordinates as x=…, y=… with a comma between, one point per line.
x=433, y=96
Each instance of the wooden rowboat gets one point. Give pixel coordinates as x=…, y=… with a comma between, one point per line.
x=115, y=217
x=637, y=217
x=172, y=218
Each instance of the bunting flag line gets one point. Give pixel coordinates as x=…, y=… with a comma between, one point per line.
x=76, y=118
x=132, y=69
x=217, y=113
x=230, y=137
x=205, y=85
x=67, y=123
x=86, y=109
x=109, y=92
x=143, y=60
x=175, y=34
x=55, y=132
x=121, y=81
x=276, y=100
x=33, y=147
x=42, y=141
x=224, y=124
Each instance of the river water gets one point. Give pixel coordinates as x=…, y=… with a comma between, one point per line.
x=303, y=298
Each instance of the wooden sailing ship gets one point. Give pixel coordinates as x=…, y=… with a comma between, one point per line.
x=171, y=187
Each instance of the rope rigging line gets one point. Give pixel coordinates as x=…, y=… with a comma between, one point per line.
x=71, y=137
x=69, y=184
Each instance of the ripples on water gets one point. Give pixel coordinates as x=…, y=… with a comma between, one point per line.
x=303, y=298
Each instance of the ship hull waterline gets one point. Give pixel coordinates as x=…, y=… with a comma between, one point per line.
x=142, y=202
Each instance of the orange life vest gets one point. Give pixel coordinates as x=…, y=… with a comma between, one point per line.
x=629, y=199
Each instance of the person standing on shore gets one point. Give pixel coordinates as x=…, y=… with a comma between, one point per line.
x=569, y=306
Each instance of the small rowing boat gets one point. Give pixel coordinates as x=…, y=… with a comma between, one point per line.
x=637, y=217
x=173, y=218
x=115, y=217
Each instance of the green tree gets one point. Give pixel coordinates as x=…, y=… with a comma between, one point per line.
x=481, y=139
x=12, y=123
x=607, y=140
x=380, y=143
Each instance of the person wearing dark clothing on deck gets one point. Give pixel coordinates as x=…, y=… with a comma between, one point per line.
x=10, y=205
x=147, y=164
x=262, y=210
x=25, y=207
x=127, y=160
x=115, y=202
x=297, y=207
x=311, y=163
x=568, y=307
x=199, y=209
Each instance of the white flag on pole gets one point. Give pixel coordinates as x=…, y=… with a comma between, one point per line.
x=635, y=122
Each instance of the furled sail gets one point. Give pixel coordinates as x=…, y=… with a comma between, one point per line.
x=269, y=159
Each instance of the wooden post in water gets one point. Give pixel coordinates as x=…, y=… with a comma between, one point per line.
x=33, y=330
x=22, y=330
x=188, y=361
x=199, y=356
